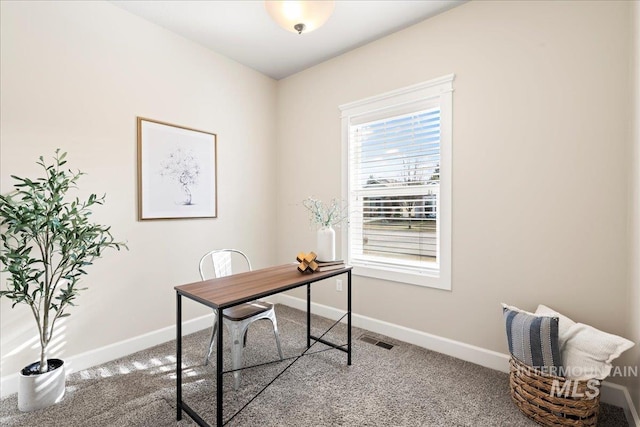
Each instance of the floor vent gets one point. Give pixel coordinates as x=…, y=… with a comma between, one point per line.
x=371, y=340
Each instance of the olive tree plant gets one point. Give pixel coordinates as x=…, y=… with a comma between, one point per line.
x=47, y=242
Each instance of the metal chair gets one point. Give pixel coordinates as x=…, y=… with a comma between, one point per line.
x=237, y=319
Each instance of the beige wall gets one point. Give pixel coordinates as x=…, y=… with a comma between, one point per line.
x=634, y=299
x=75, y=75
x=541, y=166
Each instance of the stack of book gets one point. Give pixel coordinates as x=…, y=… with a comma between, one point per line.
x=329, y=265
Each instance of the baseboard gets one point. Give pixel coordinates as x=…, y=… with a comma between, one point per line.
x=9, y=383
x=618, y=395
x=612, y=394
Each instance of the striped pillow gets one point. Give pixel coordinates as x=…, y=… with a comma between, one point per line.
x=533, y=340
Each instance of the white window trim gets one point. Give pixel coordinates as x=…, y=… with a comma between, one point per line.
x=388, y=103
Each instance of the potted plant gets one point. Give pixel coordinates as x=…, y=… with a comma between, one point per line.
x=47, y=243
x=325, y=217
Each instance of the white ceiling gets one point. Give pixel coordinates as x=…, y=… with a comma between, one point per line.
x=244, y=32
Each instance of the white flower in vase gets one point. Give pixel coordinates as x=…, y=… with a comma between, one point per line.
x=325, y=217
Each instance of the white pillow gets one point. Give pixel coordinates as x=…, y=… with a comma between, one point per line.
x=586, y=351
x=589, y=352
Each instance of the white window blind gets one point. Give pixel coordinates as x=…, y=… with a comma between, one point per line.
x=394, y=148
x=395, y=180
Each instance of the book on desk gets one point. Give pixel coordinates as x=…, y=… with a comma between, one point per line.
x=329, y=265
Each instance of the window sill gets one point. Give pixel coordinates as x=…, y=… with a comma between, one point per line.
x=427, y=279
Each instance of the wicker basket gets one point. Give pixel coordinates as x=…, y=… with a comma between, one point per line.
x=531, y=390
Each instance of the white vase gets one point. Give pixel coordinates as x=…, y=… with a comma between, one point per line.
x=326, y=244
x=41, y=390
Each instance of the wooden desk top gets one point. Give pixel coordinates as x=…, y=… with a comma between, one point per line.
x=243, y=287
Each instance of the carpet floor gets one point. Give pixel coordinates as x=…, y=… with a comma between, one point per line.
x=402, y=386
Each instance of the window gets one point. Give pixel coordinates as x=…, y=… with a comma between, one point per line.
x=397, y=148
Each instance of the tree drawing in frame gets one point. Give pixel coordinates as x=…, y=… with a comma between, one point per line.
x=176, y=171
x=183, y=167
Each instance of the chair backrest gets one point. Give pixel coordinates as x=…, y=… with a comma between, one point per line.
x=221, y=261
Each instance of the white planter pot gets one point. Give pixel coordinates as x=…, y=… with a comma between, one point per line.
x=326, y=244
x=41, y=390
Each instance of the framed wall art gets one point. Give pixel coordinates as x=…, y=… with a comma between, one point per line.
x=176, y=171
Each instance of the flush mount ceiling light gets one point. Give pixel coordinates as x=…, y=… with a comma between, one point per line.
x=300, y=16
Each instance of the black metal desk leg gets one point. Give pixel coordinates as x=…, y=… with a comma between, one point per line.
x=308, y=315
x=178, y=356
x=349, y=317
x=219, y=369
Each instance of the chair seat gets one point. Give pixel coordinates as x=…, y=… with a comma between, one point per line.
x=246, y=310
